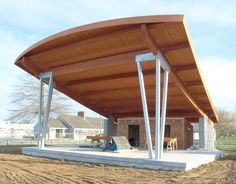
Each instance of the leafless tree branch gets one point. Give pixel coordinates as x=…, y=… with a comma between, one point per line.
x=25, y=99
x=226, y=125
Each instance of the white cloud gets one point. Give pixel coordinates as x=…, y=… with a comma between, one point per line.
x=58, y=13
x=210, y=41
x=11, y=47
x=217, y=12
x=220, y=77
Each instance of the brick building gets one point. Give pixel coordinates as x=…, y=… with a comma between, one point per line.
x=134, y=128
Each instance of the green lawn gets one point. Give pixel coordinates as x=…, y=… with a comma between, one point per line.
x=227, y=141
x=12, y=149
x=226, y=144
x=226, y=148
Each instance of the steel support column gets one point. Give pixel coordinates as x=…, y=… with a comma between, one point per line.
x=160, y=118
x=145, y=110
x=40, y=111
x=43, y=125
x=163, y=112
x=158, y=109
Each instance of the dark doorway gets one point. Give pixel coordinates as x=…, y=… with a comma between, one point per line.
x=133, y=135
x=167, y=131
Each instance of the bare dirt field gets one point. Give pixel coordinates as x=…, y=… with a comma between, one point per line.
x=17, y=168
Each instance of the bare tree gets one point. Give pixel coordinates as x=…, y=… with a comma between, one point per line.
x=226, y=125
x=25, y=99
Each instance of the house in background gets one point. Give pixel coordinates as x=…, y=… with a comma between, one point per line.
x=55, y=129
x=73, y=127
x=80, y=126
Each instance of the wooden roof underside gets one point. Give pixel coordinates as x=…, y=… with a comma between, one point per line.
x=95, y=65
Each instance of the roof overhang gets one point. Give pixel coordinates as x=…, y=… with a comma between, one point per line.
x=95, y=65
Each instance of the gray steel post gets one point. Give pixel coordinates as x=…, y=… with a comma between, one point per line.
x=160, y=122
x=145, y=110
x=40, y=112
x=48, y=105
x=163, y=113
x=157, y=124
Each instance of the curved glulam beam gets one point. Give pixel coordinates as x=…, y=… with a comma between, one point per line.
x=106, y=78
x=154, y=47
x=102, y=91
x=170, y=113
x=110, y=61
x=86, y=41
x=63, y=89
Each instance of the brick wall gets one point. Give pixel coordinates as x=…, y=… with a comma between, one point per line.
x=188, y=135
x=179, y=128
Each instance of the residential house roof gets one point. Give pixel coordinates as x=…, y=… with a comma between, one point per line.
x=95, y=122
x=79, y=122
x=64, y=121
x=55, y=123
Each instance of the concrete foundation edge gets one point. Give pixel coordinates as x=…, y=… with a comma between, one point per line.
x=127, y=162
x=119, y=161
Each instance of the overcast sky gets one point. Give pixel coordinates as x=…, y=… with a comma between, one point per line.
x=212, y=26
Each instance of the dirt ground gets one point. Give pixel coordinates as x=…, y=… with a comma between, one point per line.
x=17, y=168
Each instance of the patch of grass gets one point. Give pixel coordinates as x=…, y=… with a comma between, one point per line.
x=12, y=149
x=227, y=140
x=226, y=148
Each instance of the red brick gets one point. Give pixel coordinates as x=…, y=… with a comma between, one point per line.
x=179, y=128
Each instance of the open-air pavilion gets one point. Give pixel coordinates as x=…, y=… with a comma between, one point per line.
x=130, y=67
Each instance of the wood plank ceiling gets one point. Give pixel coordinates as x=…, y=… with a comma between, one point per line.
x=94, y=64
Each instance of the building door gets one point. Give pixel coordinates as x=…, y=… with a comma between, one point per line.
x=133, y=135
x=167, y=131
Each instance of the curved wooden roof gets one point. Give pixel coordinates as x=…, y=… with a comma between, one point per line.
x=95, y=65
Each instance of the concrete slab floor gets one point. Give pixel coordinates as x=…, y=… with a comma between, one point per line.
x=180, y=160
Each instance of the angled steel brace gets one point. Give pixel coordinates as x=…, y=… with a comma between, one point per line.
x=145, y=109
x=160, y=118
x=42, y=125
x=158, y=109
x=151, y=57
x=40, y=112
x=163, y=112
